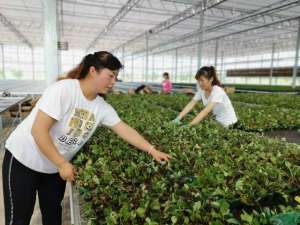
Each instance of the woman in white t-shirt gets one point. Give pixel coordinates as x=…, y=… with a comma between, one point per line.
x=213, y=97
x=39, y=150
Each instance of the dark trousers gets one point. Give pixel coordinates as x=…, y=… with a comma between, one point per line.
x=20, y=186
x=236, y=126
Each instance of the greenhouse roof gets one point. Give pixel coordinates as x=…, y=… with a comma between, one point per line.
x=166, y=24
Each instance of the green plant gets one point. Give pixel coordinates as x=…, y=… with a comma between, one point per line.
x=216, y=176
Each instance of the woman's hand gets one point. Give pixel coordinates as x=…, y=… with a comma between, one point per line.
x=131, y=136
x=67, y=171
x=208, y=108
x=159, y=156
x=176, y=120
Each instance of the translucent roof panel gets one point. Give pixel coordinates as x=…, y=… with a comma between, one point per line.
x=84, y=22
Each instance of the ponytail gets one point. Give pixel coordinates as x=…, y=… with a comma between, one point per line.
x=99, y=60
x=208, y=72
x=74, y=73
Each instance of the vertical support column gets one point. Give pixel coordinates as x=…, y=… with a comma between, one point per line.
x=3, y=61
x=153, y=67
x=181, y=68
x=222, y=67
x=235, y=64
x=216, y=53
x=278, y=56
x=248, y=60
x=163, y=62
x=191, y=69
x=59, y=25
x=199, y=52
x=19, y=116
x=147, y=58
x=176, y=64
x=272, y=64
x=132, y=67
x=32, y=62
x=59, y=62
x=295, y=69
x=50, y=40
x=18, y=58
x=261, y=65
x=123, y=62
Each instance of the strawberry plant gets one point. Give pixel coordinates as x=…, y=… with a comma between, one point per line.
x=278, y=100
x=252, y=117
x=216, y=176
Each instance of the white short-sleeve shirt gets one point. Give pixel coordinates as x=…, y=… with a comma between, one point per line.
x=77, y=118
x=223, y=109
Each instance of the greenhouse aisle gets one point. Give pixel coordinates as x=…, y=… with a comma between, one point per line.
x=36, y=218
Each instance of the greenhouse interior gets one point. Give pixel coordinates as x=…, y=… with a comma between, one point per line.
x=150, y=112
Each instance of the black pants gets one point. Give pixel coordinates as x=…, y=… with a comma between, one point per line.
x=236, y=126
x=20, y=185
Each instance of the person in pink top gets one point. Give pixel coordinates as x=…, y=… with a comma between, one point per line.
x=166, y=84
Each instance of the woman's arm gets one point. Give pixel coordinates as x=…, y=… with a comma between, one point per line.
x=40, y=132
x=187, y=108
x=203, y=113
x=131, y=136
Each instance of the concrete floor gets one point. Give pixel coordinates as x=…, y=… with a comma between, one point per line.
x=292, y=136
x=36, y=217
x=8, y=127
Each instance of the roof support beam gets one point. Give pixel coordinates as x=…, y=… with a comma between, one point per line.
x=186, y=14
x=120, y=15
x=223, y=36
x=13, y=29
x=264, y=11
x=221, y=25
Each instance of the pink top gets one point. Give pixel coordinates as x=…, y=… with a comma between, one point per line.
x=166, y=86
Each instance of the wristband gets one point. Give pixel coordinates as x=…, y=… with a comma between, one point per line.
x=149, y=151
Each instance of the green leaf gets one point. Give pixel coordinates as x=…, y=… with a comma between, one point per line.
x=233, y=221
x=246, y=217
x=141, y=212
x=96, y=180
x=225, y=165
x=124, y=212
x=197, y=206
x=239, y=184
x=224, y=207
x=174, y=219
x=150, y=222
x=155, y=204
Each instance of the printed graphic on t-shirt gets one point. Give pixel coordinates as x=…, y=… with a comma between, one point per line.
x=80, y=126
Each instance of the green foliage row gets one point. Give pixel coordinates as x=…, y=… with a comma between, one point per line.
x=216, y=176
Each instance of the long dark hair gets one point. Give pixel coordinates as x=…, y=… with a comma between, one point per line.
x=208, y=72
x=99, y=60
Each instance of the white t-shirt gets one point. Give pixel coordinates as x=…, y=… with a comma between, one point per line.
x=77, y=118
x=223, y=109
